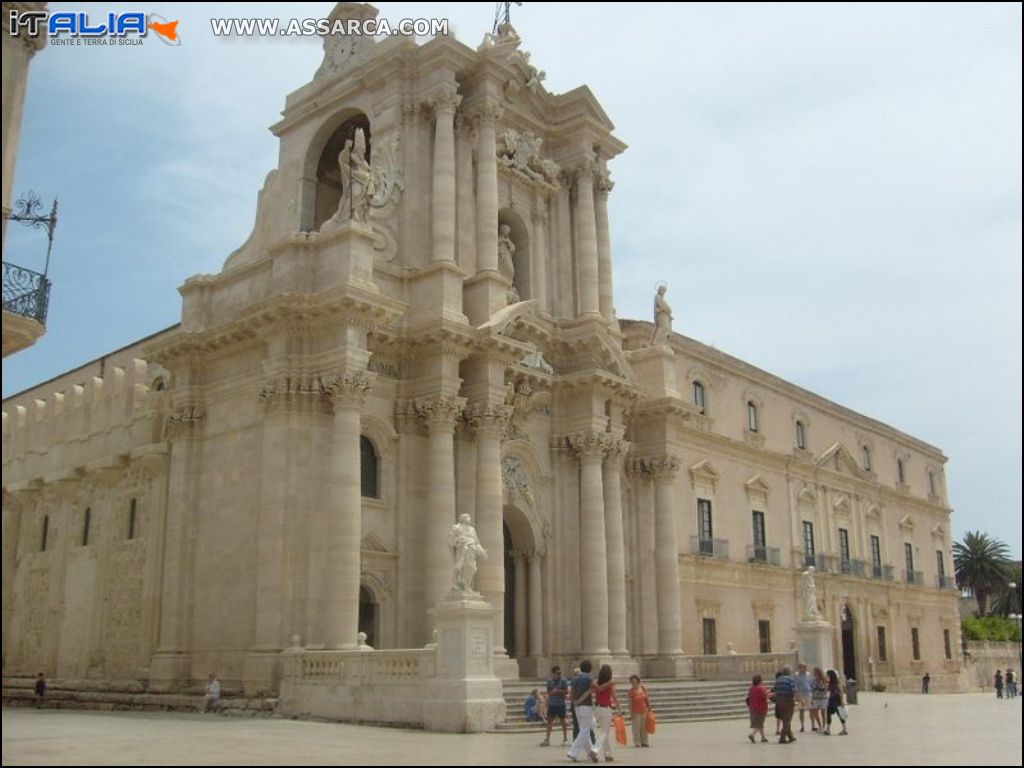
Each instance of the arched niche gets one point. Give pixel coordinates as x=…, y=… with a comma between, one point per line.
x=520, y=235
x=322, y=176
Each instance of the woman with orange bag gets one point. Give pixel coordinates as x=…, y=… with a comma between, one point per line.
x=639, y=706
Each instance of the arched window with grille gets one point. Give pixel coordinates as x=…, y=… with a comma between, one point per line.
x=698, y=395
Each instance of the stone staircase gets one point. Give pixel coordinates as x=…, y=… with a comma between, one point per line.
x=674, y=701
x=84, y=694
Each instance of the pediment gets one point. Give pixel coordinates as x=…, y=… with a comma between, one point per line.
x=841, y=506
x=839, y=458
x=807, y=495
x=704, y=473
x=756, y=486
x=372, y=543
x=907, y=523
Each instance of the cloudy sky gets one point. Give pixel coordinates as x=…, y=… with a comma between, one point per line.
x=833, y=193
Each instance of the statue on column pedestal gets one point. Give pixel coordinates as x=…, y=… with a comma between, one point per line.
x=811, y=611
x=662, y=317
x=466, y=547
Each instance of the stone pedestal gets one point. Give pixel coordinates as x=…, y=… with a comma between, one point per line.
x=346, y=255
x=261, y=672
x=656, y=368
x=169, y=671
x=814, y=640
x=675, y=667
x=465, y=695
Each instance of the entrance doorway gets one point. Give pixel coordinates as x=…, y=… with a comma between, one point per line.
x=849, y=649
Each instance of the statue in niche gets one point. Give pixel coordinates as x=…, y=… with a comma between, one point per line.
x=358, y=180
x=811, y=611
x=662, y=317
x=466, y=548
x=506, y=263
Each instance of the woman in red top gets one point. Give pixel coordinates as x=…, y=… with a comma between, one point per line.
x=604, y=700
x=757, y=703
x=639, y=705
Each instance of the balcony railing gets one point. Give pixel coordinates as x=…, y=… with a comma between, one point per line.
x=913, y=577
x=881, y=572
x=710, y=547
x=26, y=293
x=820, y=562
x=855, y=568
x=769, y=555
x=945, y=582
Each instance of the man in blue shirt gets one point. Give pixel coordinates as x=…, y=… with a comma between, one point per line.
x=581, y=688
x=557, y=687
x=785, y=693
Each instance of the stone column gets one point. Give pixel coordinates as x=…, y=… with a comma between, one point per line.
x=440, y=414
x=616, y=548
x=539, y=252
x=666, y=554
x=586, y=232
x=487, y=189
x=345, y=522
x=489, y=423
x=604, y=246
x=519, y=558
x=536, y=605
x=591, y=447
x=443, y=179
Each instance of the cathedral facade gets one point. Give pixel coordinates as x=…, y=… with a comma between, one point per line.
x=421, y=325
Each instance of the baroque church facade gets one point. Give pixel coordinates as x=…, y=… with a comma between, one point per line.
x=420, y=325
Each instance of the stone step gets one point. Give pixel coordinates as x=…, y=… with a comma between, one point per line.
x=65, y=698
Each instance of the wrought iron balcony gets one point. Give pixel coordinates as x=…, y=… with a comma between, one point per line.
x=852, y=567
x=881, y=572
x=768, y=555
x=710, y=547
x=821, y=563
x=26, y=293
x=914, y=577
x=945, y=582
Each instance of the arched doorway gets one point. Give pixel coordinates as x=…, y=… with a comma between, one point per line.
x=849, y=648
x=510, y=594
x=522, y=605
x=369, y=616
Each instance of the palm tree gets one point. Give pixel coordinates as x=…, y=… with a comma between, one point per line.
x=982, y=564
x=1007, y=600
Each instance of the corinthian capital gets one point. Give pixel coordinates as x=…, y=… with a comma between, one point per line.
x=660, y=468
x=347, y=389
x=441, y=412
x=591, y=445
x=445, y=100
x=489, y=420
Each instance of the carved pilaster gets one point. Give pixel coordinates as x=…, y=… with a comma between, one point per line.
x=445, y=100
x=293, y=394
x=185, y=422
x=489, y=420
x=657, y=467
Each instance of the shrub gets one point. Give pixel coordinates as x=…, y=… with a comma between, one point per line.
x=990, y=628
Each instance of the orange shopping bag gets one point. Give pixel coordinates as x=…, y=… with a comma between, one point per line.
x=652, y=721
x=619, y=723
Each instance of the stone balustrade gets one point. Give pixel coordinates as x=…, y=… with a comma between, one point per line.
x=742, y=666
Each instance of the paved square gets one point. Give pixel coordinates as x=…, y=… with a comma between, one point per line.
x=965, y=729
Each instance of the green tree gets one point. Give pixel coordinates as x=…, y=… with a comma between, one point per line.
x=1007, y=600
x=982, y=564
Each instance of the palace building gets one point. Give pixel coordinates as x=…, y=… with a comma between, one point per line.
x=420, y=325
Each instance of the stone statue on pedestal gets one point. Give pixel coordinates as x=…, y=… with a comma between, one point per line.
x=662, y=317
x=811, y=611
x=466, y=547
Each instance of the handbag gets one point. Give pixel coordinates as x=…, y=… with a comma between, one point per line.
x=844, y=715
x=652, y=721
x=619, y=723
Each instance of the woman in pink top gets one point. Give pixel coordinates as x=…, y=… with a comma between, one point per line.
x=604, y=695
x=757, y=703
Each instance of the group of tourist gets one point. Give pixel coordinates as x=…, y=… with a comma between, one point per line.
x=1009, y=682
x=593, y=707
x=818, y=697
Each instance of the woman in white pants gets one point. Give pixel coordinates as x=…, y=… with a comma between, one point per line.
x=604, y=695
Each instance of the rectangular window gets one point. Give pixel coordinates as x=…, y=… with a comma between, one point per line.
x=86, y=519
x=752, y=417
x=764, y=634
x=900, y=473
x=941, y=563
x=908, y=554
x=844, y=550
x=698, y=395
x=759, y=536
x=866, y=454
x=808, y=543
x=947, y=643
x=876, y=557
x=883, y=654
x=710, y=643
x=132, y=513
x=931, y=483
x=801, y=435
x=46, y=533
x=915, y=643
x=704, y=526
